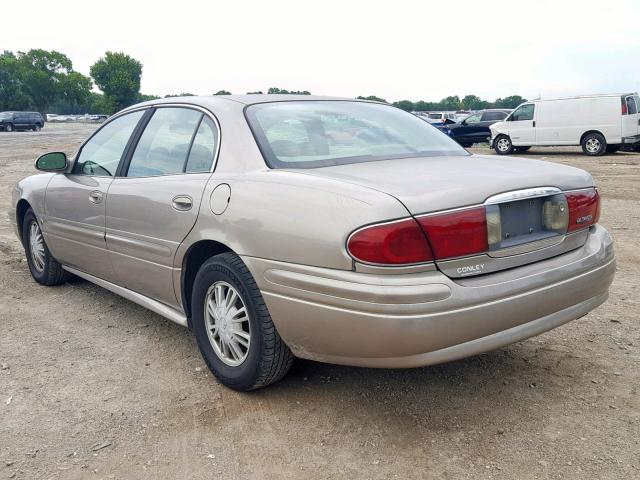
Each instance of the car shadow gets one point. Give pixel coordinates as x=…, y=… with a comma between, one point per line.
x=518, y=380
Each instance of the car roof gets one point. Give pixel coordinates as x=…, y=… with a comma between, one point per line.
x=249, y=99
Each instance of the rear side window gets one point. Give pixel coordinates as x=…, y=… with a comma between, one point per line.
x=491, y=116
x=165, y=143
x=203, y=148
x=101, y=155
x=525, y=112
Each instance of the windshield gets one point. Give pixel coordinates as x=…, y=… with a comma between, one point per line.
x=435, y=115
x=5, y=115
x=308, y=134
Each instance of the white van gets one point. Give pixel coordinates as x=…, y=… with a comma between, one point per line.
x=599, y=123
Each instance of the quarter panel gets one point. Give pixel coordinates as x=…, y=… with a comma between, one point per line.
x=295, y=218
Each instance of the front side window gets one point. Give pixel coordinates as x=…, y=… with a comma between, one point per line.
x=101, y=155
x=631, y=106
x=525, y=112
x=475, y=118
x=164, y=145
x=309, y=134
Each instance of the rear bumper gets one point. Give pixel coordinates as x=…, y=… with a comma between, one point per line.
x=418, y=319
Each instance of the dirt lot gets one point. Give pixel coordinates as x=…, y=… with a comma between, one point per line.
x=93, y=386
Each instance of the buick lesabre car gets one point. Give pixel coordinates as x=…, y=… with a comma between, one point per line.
x=341, y=231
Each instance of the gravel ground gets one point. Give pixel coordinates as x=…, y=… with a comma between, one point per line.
x=93, y=386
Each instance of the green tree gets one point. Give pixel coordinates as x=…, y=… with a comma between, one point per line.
x=278, y=91
x=222, y=92
x=179, y=95
x=118, y=76
x=259, y=92
x=75, y=90
x=40, y=78
x=509, y=102
x=12, y=93
x=406, y=105
x=145, y=98
x=372, y=98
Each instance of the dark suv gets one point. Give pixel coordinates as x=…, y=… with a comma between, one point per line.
x=475, y=128
x=10, y=121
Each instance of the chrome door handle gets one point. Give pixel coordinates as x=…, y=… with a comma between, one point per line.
x=182, y=202
x=95, y=196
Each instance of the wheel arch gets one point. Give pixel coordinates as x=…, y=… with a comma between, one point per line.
x=591, y=131
x=21, y=210
x=195, y=256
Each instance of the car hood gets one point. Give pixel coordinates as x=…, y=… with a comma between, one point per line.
x=429, y=184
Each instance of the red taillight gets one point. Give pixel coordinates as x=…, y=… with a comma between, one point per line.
x=456, y=234
x=584, y=208
x=624, y=106
x=394, y=243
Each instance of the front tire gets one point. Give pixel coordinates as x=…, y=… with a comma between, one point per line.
x=593, y=144
x=233, y=328
x=8, y=127
x=37, y=127
x=503, y=145
x=44, y=269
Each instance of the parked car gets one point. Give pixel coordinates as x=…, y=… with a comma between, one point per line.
x=599, y=123
x=10, y=121
x=438, y=117
x=342, y=231
x=475, y=127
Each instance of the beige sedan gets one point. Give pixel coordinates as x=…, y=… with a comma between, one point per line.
x=335, y=230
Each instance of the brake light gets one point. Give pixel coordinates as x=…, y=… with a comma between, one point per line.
x=624, y=106
x=584, y=209
x=395, y=243
x=458, y=233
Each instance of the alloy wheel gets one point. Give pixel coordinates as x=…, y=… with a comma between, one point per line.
x=503, y=145
x=593, y=145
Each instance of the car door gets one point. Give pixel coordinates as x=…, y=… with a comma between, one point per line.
x=75, y=202
x=154, y=202
x=630, y=116
x=465, y=132
x=20, y=120
x=521, y=124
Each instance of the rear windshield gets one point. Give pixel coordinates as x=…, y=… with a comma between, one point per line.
x=308, y=134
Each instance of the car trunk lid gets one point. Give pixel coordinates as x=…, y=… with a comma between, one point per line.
x=511, y=192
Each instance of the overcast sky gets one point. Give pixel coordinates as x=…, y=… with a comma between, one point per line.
x=395, y=49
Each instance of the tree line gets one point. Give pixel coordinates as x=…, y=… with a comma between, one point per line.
x=45, y=81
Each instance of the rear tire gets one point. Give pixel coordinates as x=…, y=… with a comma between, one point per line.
x=593, y=144
x=521, y=149
x=44, y=269
x=8, y=127
x=37, y=128
x=502, y=145
x=236, y=336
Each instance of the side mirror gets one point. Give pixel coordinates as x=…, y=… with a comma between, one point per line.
x=52, y=162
